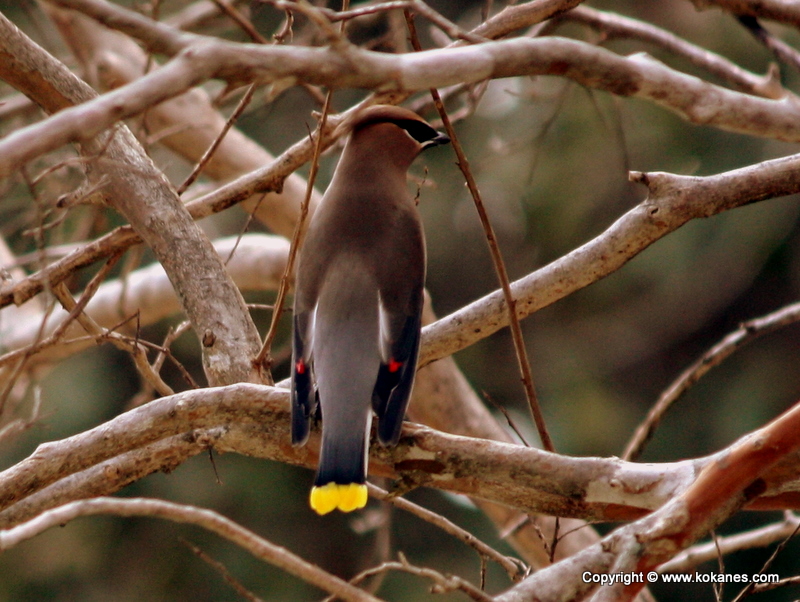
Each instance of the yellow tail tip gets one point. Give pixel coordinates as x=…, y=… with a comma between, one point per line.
x=346, y=498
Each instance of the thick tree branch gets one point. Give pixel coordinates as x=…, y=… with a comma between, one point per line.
x=111, y=59
x=726, y=483
x=268, y=178
x=444, y=400
x=348, y=66
x=666, y=209
x=162, y=39
x=257, y=264
x=672, y=201
x=672, y=504
x=142, y=194
x=271, y=177
x=252, y=420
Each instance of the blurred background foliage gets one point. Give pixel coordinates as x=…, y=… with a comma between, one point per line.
x=551, y=159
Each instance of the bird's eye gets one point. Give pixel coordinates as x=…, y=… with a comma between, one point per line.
x=419, y=131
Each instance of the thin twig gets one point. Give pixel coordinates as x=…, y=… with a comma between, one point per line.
x=132, y=262
x=248, y=222
x=242, y=21
x=778, y=47
x=164, y=352
x=442, y=583
x=18, y=425
x=287, y=29
x=512, y=566
x=264, y=357
x=497, y=258
x=512, y=425
x=134, y=348
x=318, y=17
x=719, y=588
x=778, y=549
x=508, y=20
x=248, y=96
x=173, y=334
x=765, y=587
x=11, y=377
x=207, y=519
x=416, y=6
x=746, y=333
x=223, y=571
x=196, y=15
x=376, y=520
x=619, y=26
x=55, y=337
x=747, y=540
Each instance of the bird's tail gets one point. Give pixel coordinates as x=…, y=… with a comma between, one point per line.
x=347, y=359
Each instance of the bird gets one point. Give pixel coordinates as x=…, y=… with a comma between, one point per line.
x=358, y=303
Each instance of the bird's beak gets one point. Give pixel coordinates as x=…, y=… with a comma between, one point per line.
x=437, y=141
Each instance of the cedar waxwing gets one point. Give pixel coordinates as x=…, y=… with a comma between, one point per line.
x=357, y=303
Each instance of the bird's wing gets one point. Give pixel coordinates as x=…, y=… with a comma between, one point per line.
x=304, y=400
x=400, y=340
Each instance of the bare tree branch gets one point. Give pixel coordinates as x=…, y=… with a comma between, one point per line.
x=497, y=259
x=199, y=59
x=179, y=513
x=251, y=420
x=756, y=538
x=111, y=59
x=670, y=505
x=442, y=583
x=511, y=567
x=257, y=265
x=720, y=489
x=213, y=304
x=747, y=332
x=672, y=201
x=619, y=26
x=777, y=10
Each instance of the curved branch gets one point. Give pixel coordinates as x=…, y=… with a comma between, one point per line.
x=672, y=201
x=160, y=38
x=144, y=196
x=722, y=350
x=252, y=420
x=269, y=178
x=615, y=25
x=777, y=10
x=723, y=486
x=747, y=540
x=111, y=59
x=257, y=264
x=349, y=66
x=510, y=565
x=201, y=517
